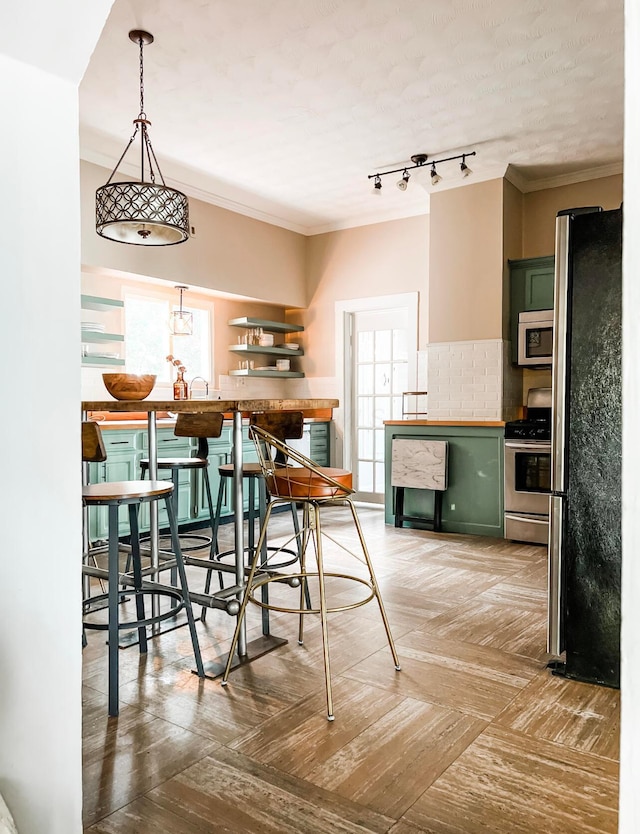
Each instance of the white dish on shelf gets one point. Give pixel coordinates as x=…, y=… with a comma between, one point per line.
x=289, y=345
x=92, y=327
x=101, y=355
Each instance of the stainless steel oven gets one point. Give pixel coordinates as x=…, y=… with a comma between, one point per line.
x=527, y=486
x=535, y=338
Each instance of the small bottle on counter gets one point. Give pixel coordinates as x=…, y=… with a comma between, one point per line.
x=180, y=389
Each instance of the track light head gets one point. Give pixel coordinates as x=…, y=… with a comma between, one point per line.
x=404, y=182
x=435, y=176
x=465, y=168
x=377, y=185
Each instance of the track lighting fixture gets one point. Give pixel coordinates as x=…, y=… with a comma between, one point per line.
x=420, y=160
x=404, y=182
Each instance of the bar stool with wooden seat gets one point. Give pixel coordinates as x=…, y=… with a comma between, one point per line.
x=314, y=487
x=201, y=427
x=132, y=494
x=285, y=425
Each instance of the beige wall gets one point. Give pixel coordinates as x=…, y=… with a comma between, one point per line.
x=512, y=233
x=381, y=259
x=466, y=263
x=230, y=252
x=541, y=207
x=224, y=309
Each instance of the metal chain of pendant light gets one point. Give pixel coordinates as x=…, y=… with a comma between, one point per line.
x=143, y=213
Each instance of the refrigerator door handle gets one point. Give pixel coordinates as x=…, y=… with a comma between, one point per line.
x=555, y=631
x=559, y=369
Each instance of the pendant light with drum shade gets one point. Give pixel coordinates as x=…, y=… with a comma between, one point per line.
x=145, y=213
x=181, y=321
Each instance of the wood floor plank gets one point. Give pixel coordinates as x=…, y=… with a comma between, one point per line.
x=476, y=680
x=408, y=747
x=127, y=756
x=300, y=738
x=509, y=782
x=575, y=714
x=229, y=793
x=203, y=706
x=508, y=628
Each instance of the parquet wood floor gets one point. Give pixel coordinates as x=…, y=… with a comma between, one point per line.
x=473, y=736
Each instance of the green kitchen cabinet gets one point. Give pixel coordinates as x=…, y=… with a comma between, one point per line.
x=126, y=448
x=123, y=456
x=319, y=443
x=531, y=288
x=474, y=499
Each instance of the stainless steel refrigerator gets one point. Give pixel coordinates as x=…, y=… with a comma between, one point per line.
x=585, y=505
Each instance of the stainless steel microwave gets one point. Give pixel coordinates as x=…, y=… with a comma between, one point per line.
x=535, y=338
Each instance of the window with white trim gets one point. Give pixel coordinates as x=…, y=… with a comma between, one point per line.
x=149, y=340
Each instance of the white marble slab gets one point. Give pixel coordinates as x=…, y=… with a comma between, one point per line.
x=419, y=464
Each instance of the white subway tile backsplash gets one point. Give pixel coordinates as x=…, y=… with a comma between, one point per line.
x=472, y=380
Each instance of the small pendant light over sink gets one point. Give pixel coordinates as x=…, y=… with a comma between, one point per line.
x=180, y=321
x=145, y=212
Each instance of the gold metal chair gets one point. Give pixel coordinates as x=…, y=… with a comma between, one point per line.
x=290, y=476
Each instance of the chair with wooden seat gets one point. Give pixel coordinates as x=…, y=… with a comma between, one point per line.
x=292, y=477
x=202, y=427
x=285, y=425
x=132, y=494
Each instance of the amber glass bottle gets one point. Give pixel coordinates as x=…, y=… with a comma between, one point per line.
x=180, y=391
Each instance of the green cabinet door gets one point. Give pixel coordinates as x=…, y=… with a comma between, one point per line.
x=120, y=465
x=474, y=499
x=218, y=456
x=320, y=443
x=170, y=446
x=531, y=288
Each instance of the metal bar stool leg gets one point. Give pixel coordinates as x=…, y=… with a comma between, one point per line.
x=296, y=530
x=264, y=591
x=245, y=598
x=215, y=523
x=137, y=574
x=304, y=583
x=113, y=610
x=175, y=543
x=175, y=474
x=214, y=537
x=374, y=583
x=323, y=610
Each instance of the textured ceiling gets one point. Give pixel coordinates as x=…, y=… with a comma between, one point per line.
x=281, y=108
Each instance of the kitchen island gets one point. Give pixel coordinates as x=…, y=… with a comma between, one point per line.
x=238, y=409
x=474, y=499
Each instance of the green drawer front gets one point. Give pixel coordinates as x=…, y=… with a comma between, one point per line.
x=119, y=441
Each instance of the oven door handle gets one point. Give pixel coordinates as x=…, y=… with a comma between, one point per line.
x=533, y=446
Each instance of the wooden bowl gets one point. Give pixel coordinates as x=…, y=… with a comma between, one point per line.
x=129, y=386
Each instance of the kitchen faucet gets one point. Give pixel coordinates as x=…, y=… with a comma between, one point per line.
x=206, y=387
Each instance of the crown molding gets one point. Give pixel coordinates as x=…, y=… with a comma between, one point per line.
x=205, y=195
x=526, y=185
x=370, y=219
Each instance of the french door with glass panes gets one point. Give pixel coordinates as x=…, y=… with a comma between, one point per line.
x=379, y=375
